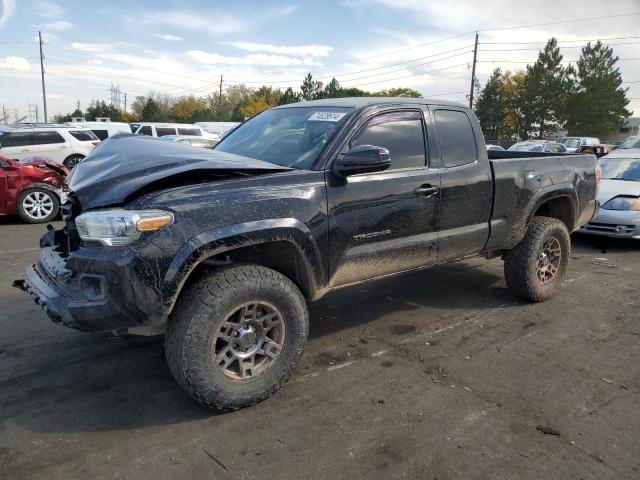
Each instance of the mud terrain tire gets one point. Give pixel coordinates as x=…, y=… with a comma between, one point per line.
x=533, y=260
x=204, y=309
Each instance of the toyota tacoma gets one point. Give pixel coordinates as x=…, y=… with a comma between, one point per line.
x=222, y=249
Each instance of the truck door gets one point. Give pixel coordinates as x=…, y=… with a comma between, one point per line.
x=466, y=185
x=385, y=222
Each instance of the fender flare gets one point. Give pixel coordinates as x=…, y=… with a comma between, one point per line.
x=231, y=237
x=551, y=192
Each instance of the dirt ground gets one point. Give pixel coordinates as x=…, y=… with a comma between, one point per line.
x=439, y=374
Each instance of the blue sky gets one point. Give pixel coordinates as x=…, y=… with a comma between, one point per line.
x=183, y=47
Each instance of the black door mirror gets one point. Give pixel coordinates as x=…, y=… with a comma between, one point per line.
x=362, y=159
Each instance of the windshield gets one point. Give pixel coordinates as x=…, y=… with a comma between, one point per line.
x=633, y=142
x=526, y=147
x=621, y=169
x=291, y=137
x=570, y=142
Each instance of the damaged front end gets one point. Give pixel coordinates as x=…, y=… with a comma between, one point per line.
x=93, y=288
x=93, y=285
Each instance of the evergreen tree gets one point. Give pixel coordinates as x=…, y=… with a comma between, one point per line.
x=490, y=108
x=547, y=88
x=599, y=106
x=310, y=88
x=289, y=96
x=332, y=89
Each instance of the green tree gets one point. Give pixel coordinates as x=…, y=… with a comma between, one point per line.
x=269, y=95
x=310, y=89
x=100, y=108
x=332, y=89
x=289, y=96
x=399, y=92
x=598, y=107
x=547, y=88
x=490, y=106
x=190, y=109
x=64, y=118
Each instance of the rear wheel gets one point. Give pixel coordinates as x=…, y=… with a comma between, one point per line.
x=38, y=205
x=535, y=268
x=236, y=336
x=72, y=160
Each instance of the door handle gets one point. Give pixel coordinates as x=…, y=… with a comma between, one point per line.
x=426, y=190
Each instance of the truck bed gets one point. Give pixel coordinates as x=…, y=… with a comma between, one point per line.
x=521, y=181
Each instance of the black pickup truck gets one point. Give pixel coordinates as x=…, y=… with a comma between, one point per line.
x=222, y=249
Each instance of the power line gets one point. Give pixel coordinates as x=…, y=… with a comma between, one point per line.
x=562, y=61
x=562, y=41
x=559, y=46
x=560, y=22
x=415, y=75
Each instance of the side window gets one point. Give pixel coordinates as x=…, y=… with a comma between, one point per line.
x=457, y=141
x=18, y=139
x=162, y=131
x=146, y=130
x=190, y=131
x=101, y=134
x=44, y=138
x=399, y=132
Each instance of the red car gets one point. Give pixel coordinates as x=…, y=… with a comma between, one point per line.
x=32, y=188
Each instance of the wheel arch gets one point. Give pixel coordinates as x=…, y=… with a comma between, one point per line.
x=285, y=245
x=560, y=203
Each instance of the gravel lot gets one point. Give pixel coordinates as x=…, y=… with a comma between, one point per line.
x=438, y=374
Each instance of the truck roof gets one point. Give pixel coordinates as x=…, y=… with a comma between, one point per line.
x=357, y=102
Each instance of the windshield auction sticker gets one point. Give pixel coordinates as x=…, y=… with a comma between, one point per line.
x=326, y=116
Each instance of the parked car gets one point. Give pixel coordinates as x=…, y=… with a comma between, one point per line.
x=62, y=144
x=619, y=197
x=32, y=188
x=162, y=129
x=223, y=248
x=573, y=143
x=191, y=140
x=217, y=128
x=597, y=150
x=495, y=147
x=103, y=129
x=630, y=142
x=544, y=146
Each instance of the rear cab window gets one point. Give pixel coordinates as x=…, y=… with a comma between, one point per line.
x=101, y=134
x=83, y=135
x=399, y=132
x=145, y=130
x=457, y=140
x=162, y=131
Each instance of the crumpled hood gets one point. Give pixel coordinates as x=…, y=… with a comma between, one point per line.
x=609, y=189
x=126, y=163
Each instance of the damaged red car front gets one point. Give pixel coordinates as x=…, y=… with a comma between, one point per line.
x=32, y=188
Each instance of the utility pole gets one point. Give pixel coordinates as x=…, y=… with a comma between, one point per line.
x=44, y=93
x=5, y=117
x=473, y=71
x=220, y=92
x=125, y=101
x=78, y=107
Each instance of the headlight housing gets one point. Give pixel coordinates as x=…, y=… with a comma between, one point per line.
x=623, y=203
x=119, y=227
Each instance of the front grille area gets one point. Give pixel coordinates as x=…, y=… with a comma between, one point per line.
x=67, y=239
x=609, y=228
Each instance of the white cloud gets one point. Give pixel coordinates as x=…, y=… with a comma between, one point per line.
x=53, y=96
x=91, y=47
x=8, y=9
x=48, y=9
x=311, y=50
x=58, y=25
x=215, y=23
x=18, y=64
x=168, y=37
x=253, y=59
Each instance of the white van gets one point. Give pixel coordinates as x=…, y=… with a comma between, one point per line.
x=162, y=129
x=103, y=128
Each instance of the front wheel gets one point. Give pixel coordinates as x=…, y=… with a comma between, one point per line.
x=534, y=269
x=236, y=336
x=38, y=205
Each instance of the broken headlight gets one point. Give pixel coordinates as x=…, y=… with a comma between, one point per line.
x=119, y=227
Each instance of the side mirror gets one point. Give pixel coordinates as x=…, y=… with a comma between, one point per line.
x=362, y=159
